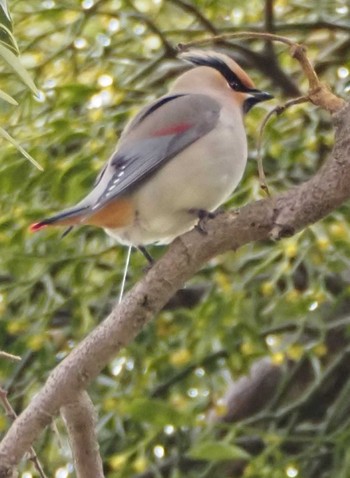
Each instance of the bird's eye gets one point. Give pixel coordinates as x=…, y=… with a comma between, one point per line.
x=234, y=85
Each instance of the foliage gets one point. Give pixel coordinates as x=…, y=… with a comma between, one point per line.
x=9, y=53
x=94, y=62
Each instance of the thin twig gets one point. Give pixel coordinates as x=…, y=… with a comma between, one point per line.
x=279, y=109
x=236, y=35
x=190, y=7
x=6, y=355
x=12, y=415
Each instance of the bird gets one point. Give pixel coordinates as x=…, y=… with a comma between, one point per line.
x=177, y=160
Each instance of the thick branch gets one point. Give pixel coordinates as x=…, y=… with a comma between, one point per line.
x=80, y=419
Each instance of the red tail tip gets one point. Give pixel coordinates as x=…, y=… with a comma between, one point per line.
x=37, y=226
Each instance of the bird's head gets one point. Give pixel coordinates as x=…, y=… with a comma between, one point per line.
x=220, y=73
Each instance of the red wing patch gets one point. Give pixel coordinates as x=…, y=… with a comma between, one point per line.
x=172, y=129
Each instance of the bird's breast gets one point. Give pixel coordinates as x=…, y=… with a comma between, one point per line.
x=202, y=176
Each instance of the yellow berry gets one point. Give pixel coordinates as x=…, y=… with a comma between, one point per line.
x=180, y=357
x=323, y=243
x=320, y=350
x=295, y=352
x=338, y=231
x=267, y=288
x=36, y=342
x=117, y=461
x=278, y=358
x=140, y=464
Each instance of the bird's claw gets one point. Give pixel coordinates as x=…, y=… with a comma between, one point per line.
x=203, y=216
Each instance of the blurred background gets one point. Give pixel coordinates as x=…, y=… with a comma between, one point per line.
x=246, y=373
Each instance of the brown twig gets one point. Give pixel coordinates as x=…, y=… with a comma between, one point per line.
x=231, y=36
x=279, y=109
x=12, y=415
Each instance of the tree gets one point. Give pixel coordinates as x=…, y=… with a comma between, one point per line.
x=160, y=401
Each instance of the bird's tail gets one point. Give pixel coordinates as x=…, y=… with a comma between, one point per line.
x=68, y=217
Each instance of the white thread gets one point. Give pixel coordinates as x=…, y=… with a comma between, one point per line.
x=122, y=287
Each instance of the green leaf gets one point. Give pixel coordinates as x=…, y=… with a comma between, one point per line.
x=217, y=451
x=155, y=412
x=6, y=34
x=9, y=138
x=4, y=96
x=8, y=39
x=13, y=61
x=4, y=11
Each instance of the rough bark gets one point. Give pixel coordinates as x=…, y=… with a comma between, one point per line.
x=80, y=419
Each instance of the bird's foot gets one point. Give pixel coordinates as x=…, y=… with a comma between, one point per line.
x=148, y=256
x=203, y=216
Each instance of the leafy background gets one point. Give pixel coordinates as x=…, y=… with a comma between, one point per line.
x=94, y=64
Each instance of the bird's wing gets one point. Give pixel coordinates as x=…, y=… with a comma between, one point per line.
x=157, y=134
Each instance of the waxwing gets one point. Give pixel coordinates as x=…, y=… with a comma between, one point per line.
x=180, y=157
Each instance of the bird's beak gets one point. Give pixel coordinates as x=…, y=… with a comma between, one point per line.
x=260, y=95
x=255, y=96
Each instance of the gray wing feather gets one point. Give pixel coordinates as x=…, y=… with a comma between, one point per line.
x=139, y=154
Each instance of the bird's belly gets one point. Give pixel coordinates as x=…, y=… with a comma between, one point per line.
x=201, y=177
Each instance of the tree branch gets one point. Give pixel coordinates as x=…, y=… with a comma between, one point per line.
x=80, y=419
x=192, y=10
x=251, y=393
